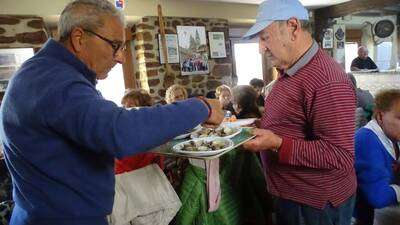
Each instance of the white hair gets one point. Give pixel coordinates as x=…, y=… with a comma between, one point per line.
x=86, y=14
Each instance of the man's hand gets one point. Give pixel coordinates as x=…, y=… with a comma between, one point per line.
x=264, y=140
x=217, y=114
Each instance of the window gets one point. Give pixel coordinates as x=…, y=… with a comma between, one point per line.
x=10, y=60
x=112, y=88
x=384, y=53
x=248, y=62
x=351, y=49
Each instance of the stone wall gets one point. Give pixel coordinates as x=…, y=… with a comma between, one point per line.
x=151, y=75
x=21, y=31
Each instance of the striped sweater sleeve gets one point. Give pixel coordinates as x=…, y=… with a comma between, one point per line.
x=333, y=125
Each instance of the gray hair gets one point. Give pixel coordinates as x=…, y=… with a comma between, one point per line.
x=305, y=24
x=86, y=14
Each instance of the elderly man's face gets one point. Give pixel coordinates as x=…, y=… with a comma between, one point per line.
x=363, y=53
x=99, y=55
x=274, y=42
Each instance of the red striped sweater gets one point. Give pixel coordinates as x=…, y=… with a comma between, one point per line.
x=313, y=111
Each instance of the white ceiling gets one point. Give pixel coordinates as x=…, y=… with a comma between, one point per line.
x=307, y=3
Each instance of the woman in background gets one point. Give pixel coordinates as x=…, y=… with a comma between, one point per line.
x=175, y=93
x=377, y=165
x=258, y=86
x=136, y=98
x=245, y=102
x=224, y=95
x=131, y=99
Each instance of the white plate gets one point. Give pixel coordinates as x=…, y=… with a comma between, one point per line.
x=182, y=136
x=192, y=136
x=240, y=122
x=229, y=145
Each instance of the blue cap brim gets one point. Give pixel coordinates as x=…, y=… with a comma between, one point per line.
x=256, y=28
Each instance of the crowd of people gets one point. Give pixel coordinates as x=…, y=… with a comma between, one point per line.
x=64, y=144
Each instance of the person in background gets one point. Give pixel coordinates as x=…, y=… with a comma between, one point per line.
x=306, y=138
x=258, y=85
x=224, y=96
x=61, y=137
x=210, y=94
x=365, y=104
x=363, y=61
x=377, y=163
x=364, y=97
x=175, y=93
x=135, y=98
x=244, y=102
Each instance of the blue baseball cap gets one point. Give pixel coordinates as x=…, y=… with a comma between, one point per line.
x=274, y=10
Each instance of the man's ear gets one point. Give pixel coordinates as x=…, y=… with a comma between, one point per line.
x=294, y=26
x=77, y=39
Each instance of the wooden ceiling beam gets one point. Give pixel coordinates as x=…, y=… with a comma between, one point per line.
x=354, y=6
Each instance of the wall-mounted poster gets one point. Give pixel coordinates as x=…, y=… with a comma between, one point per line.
x=193, y=50
x=217, y=44
x=172, y=48
x=327, y=41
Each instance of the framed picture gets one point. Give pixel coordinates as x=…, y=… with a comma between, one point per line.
x=193, y=51
x=327, y=41
x=217, y=44
x=172, y=48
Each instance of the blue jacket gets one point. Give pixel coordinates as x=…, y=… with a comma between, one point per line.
x=61, y=137
x=374, y=174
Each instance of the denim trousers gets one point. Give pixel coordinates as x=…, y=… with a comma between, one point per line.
x=292, y=213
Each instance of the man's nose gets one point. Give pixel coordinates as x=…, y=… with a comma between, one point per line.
x=120, y=56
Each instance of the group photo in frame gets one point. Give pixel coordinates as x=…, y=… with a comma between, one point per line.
x=193, y=51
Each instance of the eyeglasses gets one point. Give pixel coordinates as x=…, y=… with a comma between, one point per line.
x=115, y=45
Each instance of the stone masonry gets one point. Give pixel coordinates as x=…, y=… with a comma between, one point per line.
x=151, y=75
x=21, y=31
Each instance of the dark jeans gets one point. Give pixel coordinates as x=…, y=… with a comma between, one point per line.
x=292, y=213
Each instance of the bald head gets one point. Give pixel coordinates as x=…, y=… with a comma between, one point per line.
x=362, y=52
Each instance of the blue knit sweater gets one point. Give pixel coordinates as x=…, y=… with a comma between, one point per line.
x=61, y=137
x=374, y=175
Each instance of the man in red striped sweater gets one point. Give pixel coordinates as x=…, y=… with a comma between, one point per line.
x=306, y=140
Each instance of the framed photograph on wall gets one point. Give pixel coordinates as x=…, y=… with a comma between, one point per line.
x=217, y=44
x=327, y=41
x=172, y=48
x=193, y=51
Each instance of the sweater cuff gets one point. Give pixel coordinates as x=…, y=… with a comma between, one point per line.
x=397, y=191
x=207, y=104
x=285, y=151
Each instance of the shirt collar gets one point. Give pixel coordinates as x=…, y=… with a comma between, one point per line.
x=386, y=142
x=57, y=51
x=306, y=58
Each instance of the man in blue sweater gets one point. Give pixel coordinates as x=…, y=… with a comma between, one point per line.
x=61, y=136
